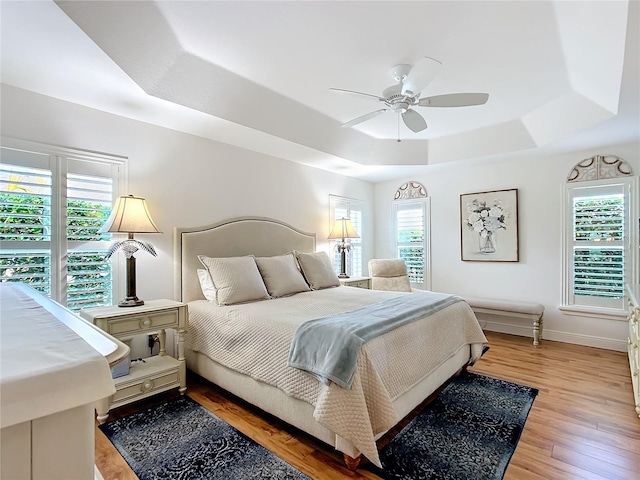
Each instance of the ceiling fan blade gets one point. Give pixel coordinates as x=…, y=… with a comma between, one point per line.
x=340, y=90
x=414, y=121
x=455, y=100
x=364, y=118
x=420, y=76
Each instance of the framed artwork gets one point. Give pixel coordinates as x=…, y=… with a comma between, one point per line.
x=489, y=226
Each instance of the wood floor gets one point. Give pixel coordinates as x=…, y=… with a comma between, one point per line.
x=582, y=424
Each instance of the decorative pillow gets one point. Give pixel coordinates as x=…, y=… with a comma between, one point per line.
x=236, y=279
x=317, y=269
x=281, y=275
x=208, y=290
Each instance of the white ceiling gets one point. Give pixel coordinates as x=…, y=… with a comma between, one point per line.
x=561, y=75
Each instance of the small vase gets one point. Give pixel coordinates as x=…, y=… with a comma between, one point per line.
x=487, y=243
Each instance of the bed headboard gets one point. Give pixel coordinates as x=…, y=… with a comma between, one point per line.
x=262, y=237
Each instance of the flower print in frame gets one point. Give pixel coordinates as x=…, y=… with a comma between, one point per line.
x=489, y=226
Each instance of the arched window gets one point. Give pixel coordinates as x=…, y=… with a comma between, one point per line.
x=411, y=215
x=600, y=238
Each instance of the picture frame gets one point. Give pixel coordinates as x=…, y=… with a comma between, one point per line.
x=489, y=226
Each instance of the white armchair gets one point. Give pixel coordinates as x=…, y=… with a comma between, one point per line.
x=389, y=274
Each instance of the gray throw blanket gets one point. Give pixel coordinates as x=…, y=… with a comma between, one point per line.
x=328, y=347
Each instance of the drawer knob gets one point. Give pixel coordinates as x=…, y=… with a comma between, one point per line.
x=146, y=386
x=145, y=323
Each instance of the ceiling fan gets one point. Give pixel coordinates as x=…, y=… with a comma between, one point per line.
x=402, y=97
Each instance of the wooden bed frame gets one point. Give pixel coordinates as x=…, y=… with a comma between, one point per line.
x=267, y=237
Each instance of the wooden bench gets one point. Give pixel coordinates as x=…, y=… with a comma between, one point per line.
x=511, y=308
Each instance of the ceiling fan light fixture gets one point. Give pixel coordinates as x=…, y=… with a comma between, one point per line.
x=402, y=97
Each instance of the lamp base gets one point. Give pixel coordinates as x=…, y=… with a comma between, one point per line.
x=343, y=275
x=131, y=302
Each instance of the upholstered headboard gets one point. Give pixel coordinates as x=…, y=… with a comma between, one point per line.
x=262, y=237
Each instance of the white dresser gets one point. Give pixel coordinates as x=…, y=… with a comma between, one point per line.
x=55, y=366
x=633, y=297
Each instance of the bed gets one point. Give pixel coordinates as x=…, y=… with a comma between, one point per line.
x=245, y=346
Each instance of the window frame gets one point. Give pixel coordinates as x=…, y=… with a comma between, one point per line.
x=425, y=203
x=629, y=188
x=62, y=161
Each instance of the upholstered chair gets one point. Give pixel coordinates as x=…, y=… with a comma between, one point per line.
x=389, y=274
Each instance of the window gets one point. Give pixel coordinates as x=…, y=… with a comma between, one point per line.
x=51, y=207
x=341, y=207
x=599, y=253
x=412, y=239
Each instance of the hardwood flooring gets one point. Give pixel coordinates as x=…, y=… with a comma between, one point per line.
x=582, y=424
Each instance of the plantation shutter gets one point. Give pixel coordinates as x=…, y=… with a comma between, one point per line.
x=51, y=208
x=26, y=222
x=89, y=275
x=410, y=238
x=599, y=256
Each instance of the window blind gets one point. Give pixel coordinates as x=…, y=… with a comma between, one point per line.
x=51, y=208
x=25, y=226
x=89, y=275
x=410, y=240
x=599, y=254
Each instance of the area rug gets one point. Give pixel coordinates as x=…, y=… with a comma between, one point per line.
x=181, y=440
x=469, y=431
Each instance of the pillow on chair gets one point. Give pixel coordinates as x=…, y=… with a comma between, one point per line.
x=389, y=274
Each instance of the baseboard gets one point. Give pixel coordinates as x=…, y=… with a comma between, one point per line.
x=556, y=336
x=97, y=474
x=586, y=340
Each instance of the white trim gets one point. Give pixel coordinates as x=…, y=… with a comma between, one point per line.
x=586, y=340
x=594, y=312
x=556, y=336
x=630, y=185
x=46, y=149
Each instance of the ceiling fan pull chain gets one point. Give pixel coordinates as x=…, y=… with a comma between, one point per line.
x=398, y=129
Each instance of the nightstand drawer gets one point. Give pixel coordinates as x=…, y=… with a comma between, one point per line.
x=137, y=324
x=143, y=386
x=358, y=282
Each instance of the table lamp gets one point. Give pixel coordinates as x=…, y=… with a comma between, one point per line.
x=130, y=215
x=342, y=229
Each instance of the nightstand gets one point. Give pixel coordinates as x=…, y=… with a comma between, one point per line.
x=156, y=374
x=359, y=282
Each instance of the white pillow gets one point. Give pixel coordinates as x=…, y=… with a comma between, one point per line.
x=317, y=269
x=206, y=284
x=281, y=275
x=236, y=279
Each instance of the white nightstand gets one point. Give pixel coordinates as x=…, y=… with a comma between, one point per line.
x=156, y=374
x=360, y=282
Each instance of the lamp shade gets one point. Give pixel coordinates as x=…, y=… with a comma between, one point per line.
x=130, y=215
x=343, y=228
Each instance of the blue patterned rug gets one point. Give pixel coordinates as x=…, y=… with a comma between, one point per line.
x=469, y=432
x=181, y=440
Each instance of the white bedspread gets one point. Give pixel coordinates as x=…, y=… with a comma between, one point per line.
x=255, y=338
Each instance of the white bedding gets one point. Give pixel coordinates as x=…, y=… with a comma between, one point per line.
x=254, y=339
